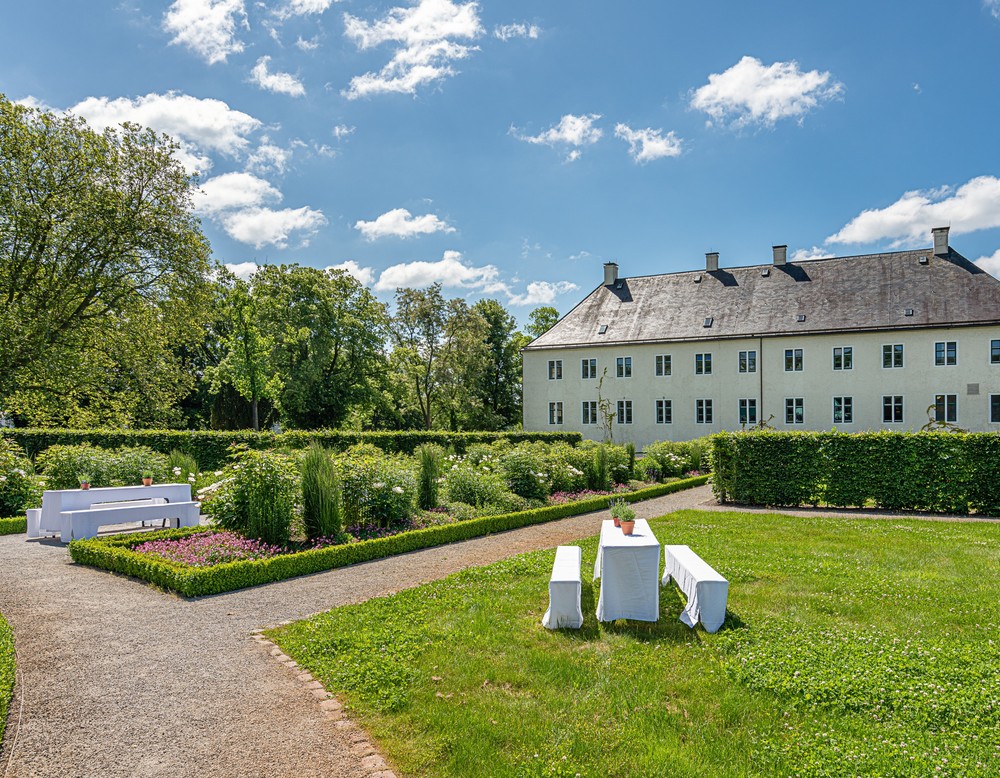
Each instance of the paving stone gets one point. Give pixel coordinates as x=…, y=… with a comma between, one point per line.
x=383, y=774
x=312, y=684
x=321, y=694
x=330, y=705
x=305, y=677
x=373, y=762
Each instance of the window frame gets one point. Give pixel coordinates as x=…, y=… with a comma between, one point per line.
x=623, y=367
x=703, y=363
x=588, y=409
x=949, y=404
x=555, y=413
x=664, y=411
x=747, y=361
x=846, y=409
x=846, y=357
x=588, y=368
x=795, y=410
x=555, y=370
x=945, y=353
x=747, y=411
x=892, y=356
x=663, y=367
x=995, y=351
x=994, y=408
x=894, y=400
x=703, y=411
x=624, y=415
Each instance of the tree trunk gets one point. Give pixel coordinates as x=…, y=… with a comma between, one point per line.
x=253, y=411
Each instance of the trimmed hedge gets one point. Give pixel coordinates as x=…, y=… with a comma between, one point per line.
x=7, y=671
x=14, y=525
x=927, y=471
x=211, y=447
x=115, y=553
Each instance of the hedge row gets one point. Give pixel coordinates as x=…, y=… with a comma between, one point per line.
x=7, y=671
x=116, y=554
x=210, y=447
x=14, y=525
x=929, y=471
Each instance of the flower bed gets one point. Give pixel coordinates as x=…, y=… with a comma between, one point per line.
x=119, y=553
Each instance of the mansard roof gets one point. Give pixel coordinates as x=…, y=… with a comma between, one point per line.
x=896, y=290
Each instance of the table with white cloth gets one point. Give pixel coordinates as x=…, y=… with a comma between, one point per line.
x=629, y=569
x=706, y=589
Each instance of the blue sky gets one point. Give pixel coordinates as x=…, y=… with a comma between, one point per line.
x=508, y=149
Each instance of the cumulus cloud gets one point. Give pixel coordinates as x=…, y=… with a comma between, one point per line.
x=991, y=264
x=207, y=27
x=975, y=205
x=267, y=157
x=282, y=83
x=341, y=131
x=648, y=144
x=307, y=45
x=542, y=292
x=425, y=35
x=506, y=32
x=261, y=227
x=816, y=252
x=364, y=275
x=303, y=8
x=450, y=271
x=231, y=191
x=752, y=93
x=242, y=269
x=400, y=223
x=572, y=132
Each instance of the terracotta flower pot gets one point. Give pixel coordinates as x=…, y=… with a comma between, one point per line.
x=85, y=485
x=147, y=481
x=618, y=522
x=628, y=526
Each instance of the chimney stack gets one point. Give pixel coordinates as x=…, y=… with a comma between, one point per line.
x=780, y=254
x=940, y=241
x=610, y=273
x=712, y=261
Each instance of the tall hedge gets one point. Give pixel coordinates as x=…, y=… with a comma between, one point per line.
x=210, y=447
x=928, y=471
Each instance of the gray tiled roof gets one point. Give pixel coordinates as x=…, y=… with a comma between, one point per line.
x=845, y=293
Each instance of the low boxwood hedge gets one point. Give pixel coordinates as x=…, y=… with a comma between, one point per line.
x=115, y=553
x=14, y=525
x=210, y=447
x=7, y=671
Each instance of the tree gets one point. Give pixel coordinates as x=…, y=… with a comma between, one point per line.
x=541, y=320
x=103, y=268
x=499, y=388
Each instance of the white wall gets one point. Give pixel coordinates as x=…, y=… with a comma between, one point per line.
x=918, y=382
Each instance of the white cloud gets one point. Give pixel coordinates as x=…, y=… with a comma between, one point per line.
x=267, y=227
x=648, y=144
x=542, y=292
x=242, y=269
x=816, y=252
x=991, y=264
x=506, y=32
x=400, y=223
x=267, y=157
x=975, y=205
x=572, y=131
x=364, y=275
x=307, y=45
x=303, y=7
x=231, y=191
x=752, y=93
x=993, y=6
x=341, y=131
x=425, y=34
x=450, y=271
x=207, y=27
x=580, y=255
x=282, y=83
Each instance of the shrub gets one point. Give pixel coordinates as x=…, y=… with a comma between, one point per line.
x=181, y=467
x=429, y=458
x=599, y=472
x=630, y=453
x=258, y=497
x=376, y=488
x=464, y=483
x=670, y=458
x=19, y=489
x=566, y=467
x=62, y=465
x=320, y=494
x=524, y=472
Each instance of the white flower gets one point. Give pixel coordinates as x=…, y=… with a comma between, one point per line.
x=3, y=478
x=397, y=489
x=191, y=478
x=177, y=471
x=218, y=472
x=378, y=485
x=21, y=473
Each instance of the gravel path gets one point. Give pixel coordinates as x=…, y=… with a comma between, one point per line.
x=119, y=679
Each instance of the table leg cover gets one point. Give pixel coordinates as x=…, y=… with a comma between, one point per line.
x=706, y=590
x=565, y=591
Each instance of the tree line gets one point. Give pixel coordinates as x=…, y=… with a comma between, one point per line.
x=112, y=312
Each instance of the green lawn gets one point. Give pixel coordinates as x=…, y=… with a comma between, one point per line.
x=6, y=671
x=852, y=647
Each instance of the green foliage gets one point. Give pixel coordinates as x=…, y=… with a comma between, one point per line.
x=14, y=526
x=211, y=447
x=18, y=487
x=475, y=486
x=669, y=458
x=928, y=471
x=115, y=553
x=599, y=470
x=621, y=510
x=565, y=466
x=541, y=320
x=257, y=498
x=62, y=466
x=7, y=671
x=630, y=453
x=523, y=470
x=321, y=512
x=181, y=466
x=429, y=459
x=498, y=392
x=377, y=488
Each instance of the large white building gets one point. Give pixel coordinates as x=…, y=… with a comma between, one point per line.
x=882, y=341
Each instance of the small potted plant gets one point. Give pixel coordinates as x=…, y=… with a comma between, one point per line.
x=84, y=481
x=147, y=477
x=623, y=515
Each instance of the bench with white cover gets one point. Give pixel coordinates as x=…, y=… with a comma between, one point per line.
x=706, y=590
x=564, y=590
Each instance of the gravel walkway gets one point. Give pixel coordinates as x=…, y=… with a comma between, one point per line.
x=119, y=679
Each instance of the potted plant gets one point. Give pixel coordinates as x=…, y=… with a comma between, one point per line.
x=624, y=516
x=147, y=477
x=84, y=481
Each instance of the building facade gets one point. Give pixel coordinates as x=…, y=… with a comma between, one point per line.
x=884, y=341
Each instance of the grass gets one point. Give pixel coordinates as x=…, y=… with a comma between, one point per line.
x=851, y=647
x=6, y=671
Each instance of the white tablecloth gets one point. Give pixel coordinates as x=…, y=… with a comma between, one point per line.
x=629, y=569
x=564, y=590
x=55, y=501
x=706, y=590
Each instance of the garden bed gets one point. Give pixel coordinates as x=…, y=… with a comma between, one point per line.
x=116, y=553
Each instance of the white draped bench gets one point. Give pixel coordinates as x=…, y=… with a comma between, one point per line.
x=706, y=590
x=564, y=590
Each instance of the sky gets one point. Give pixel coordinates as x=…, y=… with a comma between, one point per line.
x=509, y=149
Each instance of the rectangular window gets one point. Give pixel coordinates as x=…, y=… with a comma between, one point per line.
x=995, y=408
x=843, y=358
x=748, y=361
x=624, y=367
x=843, y=410
x=946, y=407
x=945, y=353
x=624, y=411
x=748, y=411
x=892, y=409
x=589, y=412
x=794, y=411
x=555, y=369
x=892, y=355
x=995, y=352
x=588, y=368
x=703, y=364
x=555, y=413
x=793, y=359
x=664, y=412
x=703, y=411
x=663, y=366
